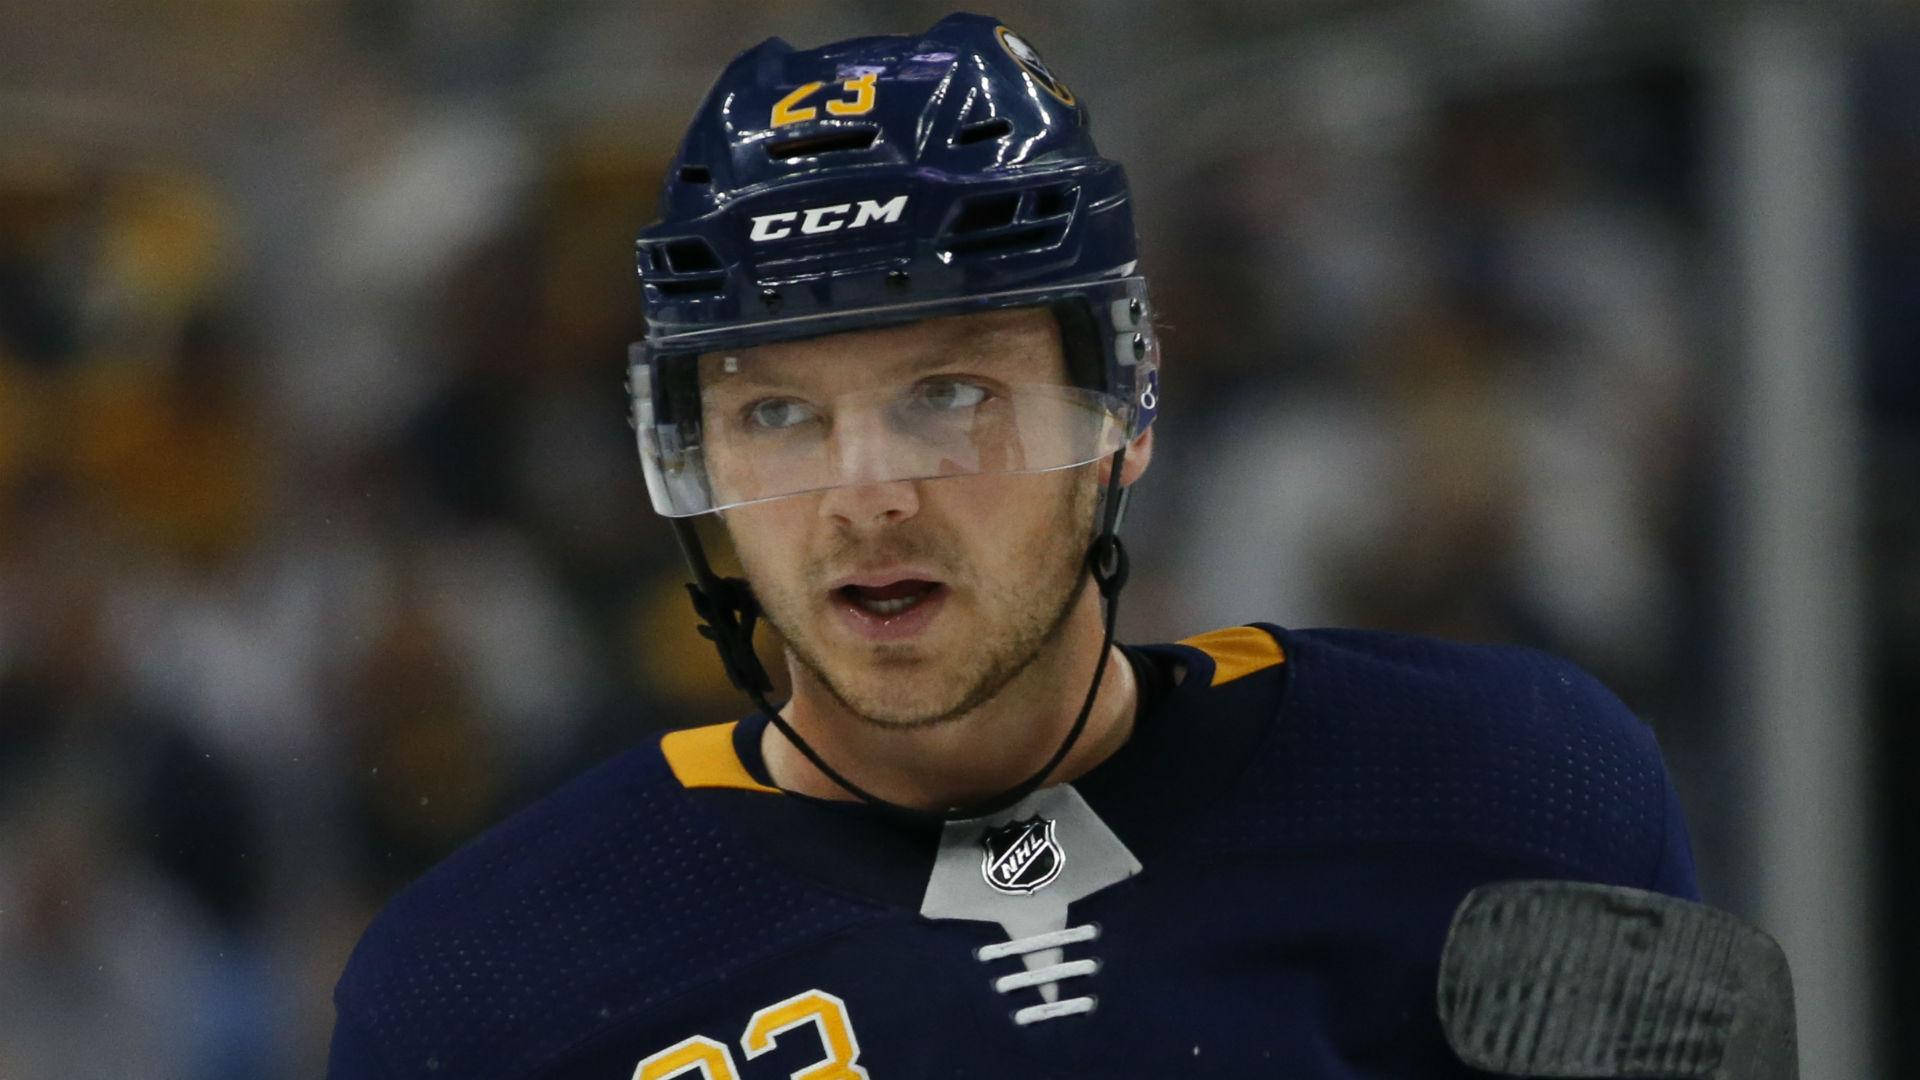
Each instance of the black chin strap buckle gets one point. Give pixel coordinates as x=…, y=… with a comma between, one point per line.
x=729, y=612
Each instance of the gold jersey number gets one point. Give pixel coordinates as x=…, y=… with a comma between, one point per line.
x=790, y=110
x=699, y=1056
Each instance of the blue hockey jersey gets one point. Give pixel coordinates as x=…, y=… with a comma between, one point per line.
x=1257, y=883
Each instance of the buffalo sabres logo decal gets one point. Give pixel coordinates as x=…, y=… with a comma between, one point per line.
x=1021, y=857
x=1018, y=48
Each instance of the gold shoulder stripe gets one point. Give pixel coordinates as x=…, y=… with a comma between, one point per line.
x=1237, y=651
x=703, y=757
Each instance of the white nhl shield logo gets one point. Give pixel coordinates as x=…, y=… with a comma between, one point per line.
x=1021, y=857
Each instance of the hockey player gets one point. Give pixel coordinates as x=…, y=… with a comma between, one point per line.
x=900, y=354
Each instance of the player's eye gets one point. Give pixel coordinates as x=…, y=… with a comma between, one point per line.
x=778, y=414
x=948, y=395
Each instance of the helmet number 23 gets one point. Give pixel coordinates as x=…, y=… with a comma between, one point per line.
x=707, y=1059
x=788, y=110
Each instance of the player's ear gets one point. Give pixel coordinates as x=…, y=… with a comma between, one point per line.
x=1139, y=453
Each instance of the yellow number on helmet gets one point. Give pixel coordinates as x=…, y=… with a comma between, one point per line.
x=786, y=110
x=862, y=102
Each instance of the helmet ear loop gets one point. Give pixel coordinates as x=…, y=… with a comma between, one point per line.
x=1106, y=555
x=728, y=613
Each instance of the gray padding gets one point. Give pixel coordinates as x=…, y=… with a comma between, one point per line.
x=1568, y=979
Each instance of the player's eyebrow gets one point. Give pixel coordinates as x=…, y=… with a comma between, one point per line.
x=997, y=345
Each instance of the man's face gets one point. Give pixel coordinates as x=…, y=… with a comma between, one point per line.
x=911, y=601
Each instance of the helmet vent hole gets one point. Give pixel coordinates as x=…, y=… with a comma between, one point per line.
x=998, y=127
x=1053, y=201
x=985, y=212
x=1006, y=242
x=691, y=257
x=823, y=142
x=696, y=174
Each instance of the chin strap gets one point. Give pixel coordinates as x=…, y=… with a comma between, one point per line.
x=729, y=612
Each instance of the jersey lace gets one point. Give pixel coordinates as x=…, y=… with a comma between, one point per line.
x=1047, y=976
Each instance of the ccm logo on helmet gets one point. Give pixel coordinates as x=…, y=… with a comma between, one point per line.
x=826, y=219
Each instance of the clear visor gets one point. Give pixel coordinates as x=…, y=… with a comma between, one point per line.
x=740, y=428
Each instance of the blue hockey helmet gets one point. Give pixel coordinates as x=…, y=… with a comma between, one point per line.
x=878, y=181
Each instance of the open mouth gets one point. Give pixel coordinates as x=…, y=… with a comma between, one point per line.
x=889, y=600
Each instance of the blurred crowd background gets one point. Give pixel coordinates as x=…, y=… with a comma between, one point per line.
x=323, y=544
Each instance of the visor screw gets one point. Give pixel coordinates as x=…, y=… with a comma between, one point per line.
x=1135, y=309
x=898, y=279
x=1139, y=347
x=771, y=298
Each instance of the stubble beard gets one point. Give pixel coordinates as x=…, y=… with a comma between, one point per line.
x=1024, y=617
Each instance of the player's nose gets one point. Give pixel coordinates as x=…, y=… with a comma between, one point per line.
x=862, y=448
x=867, y=505
x=869, y=490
